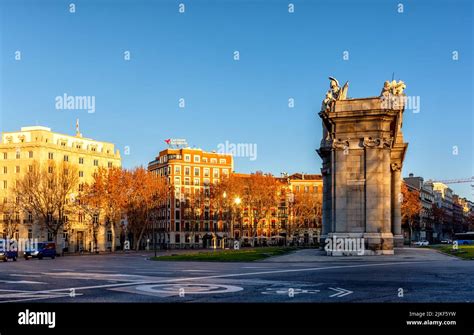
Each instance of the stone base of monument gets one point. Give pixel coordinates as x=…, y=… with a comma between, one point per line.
x=398, y=241
x=358, y=244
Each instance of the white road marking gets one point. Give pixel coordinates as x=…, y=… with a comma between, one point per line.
x=341, y=292
x=175, y=289
x=20, y=282
x=221, y=276
x=25, y=275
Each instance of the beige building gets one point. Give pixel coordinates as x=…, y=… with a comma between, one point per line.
x=18, y=152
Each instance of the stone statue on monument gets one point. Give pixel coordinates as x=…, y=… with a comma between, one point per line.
x=392, y=88
x=334, y=93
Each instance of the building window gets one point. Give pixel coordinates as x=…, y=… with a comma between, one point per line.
x=5, y=170
x=187, y=171
x=17, y=169
x=222, y=161
x=196, y=171
x=315, y=189
x=306, y=189
x=50, y=169
x=196, y=181
x=30, y=154
x=109, y=236
x=213, y=160
x=95, y=219
x=225, y=172
x=96, y=162
x=204, y=159
x=18, y=154
x=5, y=184
x=177, y=236
x=215, y=173
x=30, y=217
x=80, y=217
x=297, y=188
x=187, y=158
x=177, y=181
x=30, y=168
x=81, y=187
x=197, y=159
x=186, y=181
x=30, y=234
x=206, y=172
x=81, y=160
x=5, y=155
x=50, y=155
x=177, y=169
x=81, y=174
x=177, y=213
x=109, y=164
x=66, y=158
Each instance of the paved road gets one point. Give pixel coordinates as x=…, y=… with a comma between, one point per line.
x=303, y=276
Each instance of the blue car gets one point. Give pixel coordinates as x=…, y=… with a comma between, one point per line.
x=43, y=249
x=6, y=255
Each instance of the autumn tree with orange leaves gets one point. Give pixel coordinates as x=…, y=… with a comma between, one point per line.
x=306, y=211
x=146, y=191
x=108, y=192
x=410, y=207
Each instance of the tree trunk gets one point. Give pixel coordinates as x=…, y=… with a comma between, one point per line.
x=112, y=230
x=410, y=229
x=140, y=236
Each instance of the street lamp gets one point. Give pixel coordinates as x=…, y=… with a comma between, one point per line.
x=237, y=202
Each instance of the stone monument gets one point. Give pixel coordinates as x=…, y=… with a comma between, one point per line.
x=363, y=151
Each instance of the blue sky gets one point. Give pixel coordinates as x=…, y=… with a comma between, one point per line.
x=282, y=55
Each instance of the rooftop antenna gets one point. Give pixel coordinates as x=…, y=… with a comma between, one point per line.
x=78, y=133
x=393, y=75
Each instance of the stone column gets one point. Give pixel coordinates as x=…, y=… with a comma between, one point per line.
x=396, y=205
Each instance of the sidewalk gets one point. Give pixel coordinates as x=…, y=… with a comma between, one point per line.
x=401, y=255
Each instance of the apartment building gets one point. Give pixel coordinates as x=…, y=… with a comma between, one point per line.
x=186, y=219
x=19, y=150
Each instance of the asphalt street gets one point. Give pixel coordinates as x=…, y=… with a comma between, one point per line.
x=412, y=275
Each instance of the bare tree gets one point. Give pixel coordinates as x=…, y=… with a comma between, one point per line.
x=48, y=193
x=11, y=212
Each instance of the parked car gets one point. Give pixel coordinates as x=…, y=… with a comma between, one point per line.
x=6, y=255
x=43, y=249
x=422, y=243
x=446, y=241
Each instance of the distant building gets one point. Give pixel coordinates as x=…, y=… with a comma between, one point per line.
x=190, y=171
x=425, y=231
x=444, y=199
x=299, y=183
x=20, y=149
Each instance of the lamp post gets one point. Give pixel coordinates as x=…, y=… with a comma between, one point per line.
x=237, y=202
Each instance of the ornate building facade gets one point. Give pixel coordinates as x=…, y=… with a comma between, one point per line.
x=20, y=150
